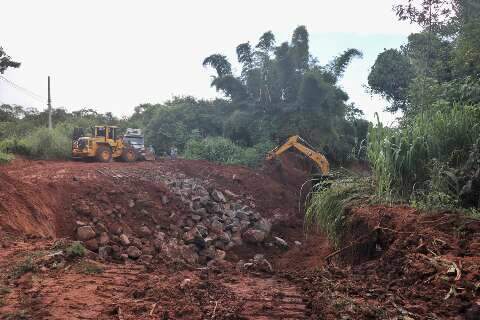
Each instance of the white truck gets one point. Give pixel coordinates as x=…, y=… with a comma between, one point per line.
x=136, y=139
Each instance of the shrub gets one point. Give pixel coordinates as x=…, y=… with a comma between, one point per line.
x=222, y=150
x=75, y=250
x=5, y=157
x=43, y=143
x=14, y=145
x=216, y=149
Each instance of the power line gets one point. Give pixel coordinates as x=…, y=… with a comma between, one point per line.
x=28, y=92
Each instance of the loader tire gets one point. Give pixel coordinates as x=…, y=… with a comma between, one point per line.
x=104, y=154
x=128, y=155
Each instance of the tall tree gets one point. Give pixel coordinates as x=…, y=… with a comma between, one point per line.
x=300, y=48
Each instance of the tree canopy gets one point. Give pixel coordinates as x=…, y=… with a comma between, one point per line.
x=6, y=61
x=437, y=65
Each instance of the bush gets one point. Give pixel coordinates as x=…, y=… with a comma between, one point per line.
x=222, y=150
x=75, y=250
x=5, y=157
x=43, y=143
x=14, y=145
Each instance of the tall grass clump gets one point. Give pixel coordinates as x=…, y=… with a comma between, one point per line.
x=326, y=208
x=402, y=158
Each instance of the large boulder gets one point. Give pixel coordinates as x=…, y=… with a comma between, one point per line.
x=124, y=239
x=218, y=196
x=91, y=244
x=83, y=209
x=133, y=252
x=280, y=242
x=105, y=252
x=85, y=233
x=217, y=226
x=254, y=235
x=264, y=225
x=262, y=264
x=103, y=239
x=145, y=231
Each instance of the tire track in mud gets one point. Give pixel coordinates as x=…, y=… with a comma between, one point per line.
x=78, y=296
x=268, y=298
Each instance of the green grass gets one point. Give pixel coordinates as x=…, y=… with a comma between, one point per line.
x=403, y=158
x=326, y=208
x=75, y=250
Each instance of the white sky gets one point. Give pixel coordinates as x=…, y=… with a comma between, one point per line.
x=113, y=55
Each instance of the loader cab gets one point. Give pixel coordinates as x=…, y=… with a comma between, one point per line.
x=107, y=132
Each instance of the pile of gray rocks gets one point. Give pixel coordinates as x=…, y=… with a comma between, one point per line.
x=211, y=223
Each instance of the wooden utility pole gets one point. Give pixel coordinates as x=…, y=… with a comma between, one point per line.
x=49, y=106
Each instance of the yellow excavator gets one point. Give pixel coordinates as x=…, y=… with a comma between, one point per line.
x=299, y=144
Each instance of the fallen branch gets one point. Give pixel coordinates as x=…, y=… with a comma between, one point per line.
x=215, y=309
x=119, y=313
x=153, y=309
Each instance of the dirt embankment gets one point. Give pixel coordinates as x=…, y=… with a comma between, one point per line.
x=397, y=261
x=171, y=217
x=188, y=220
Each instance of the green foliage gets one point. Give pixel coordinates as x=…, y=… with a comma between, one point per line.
x=75, y=250
x=402, y=158
x=6, y=62
x=222, y=150
x=6, y=157
x=283, y=91
x=43, y=143
x=14, y=145
x=390, y=77
x=439, y=63
x=340, y=63
x=326, y=207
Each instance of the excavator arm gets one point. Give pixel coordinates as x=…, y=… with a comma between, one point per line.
x=301, y=146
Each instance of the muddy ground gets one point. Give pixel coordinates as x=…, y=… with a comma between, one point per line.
x=197, y=227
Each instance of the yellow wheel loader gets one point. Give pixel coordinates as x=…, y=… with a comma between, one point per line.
x=104, y=145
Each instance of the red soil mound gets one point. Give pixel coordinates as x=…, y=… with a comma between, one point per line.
x=398, y=261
